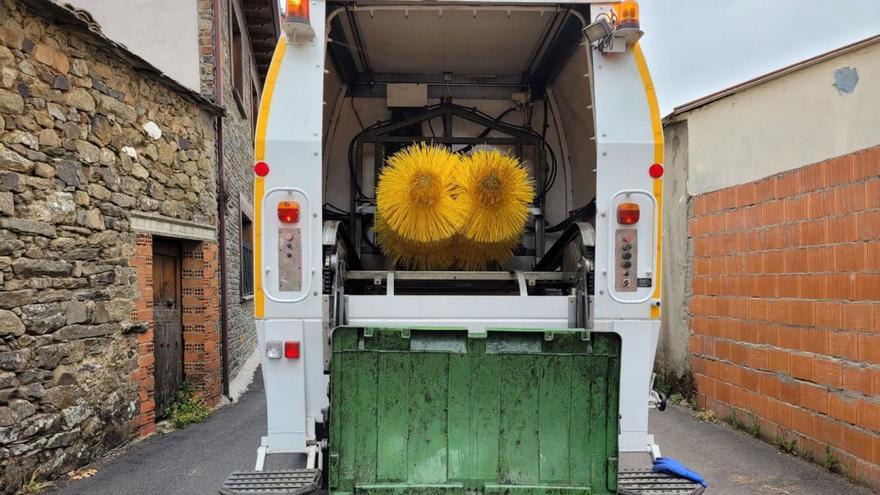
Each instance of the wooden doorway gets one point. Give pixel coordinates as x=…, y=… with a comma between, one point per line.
x=167, y=324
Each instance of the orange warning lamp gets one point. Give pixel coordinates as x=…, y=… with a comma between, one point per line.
x=628, y=14
x=297, y=11
x=296, y=23
x=288, y=212
x=628, y=213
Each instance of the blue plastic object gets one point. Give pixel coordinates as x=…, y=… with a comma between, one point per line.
x=672, y=466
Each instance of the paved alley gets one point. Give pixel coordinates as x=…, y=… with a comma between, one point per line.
x=735, y=463
x=192, y=461
x=196, y=460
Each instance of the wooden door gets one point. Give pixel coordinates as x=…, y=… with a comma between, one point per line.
x=168, y=329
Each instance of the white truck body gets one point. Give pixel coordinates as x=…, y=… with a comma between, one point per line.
x=606, y=131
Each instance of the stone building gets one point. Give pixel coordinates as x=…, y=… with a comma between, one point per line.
x=110, y=238
x=773, y=294
x=178, y=37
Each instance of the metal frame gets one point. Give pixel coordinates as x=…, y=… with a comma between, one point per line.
x=382, y=135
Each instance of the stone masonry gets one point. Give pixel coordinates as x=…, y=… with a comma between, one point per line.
x=238, y=161
x=87, y=143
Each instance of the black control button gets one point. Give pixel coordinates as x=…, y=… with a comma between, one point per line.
x=627, y=247
x=626, y=264
x=627, y=256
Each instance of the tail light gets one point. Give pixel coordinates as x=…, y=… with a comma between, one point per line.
x=288, y=212
x=291, y=350
x=628, y=213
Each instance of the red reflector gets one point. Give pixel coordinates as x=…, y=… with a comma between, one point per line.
x=291, y=350
x=627, y=213
x=288, y=211
x=656, y=171
x=261, y=169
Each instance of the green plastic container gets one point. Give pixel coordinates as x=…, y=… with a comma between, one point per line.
x=420, y=412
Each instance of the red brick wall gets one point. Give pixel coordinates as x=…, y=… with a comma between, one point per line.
x=201, y=318
x=144, y=419
x=785, y=311
x=200, y=313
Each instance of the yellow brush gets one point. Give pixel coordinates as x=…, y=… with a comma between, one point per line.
x=416, y=194
x=412, y=255
x=496, y=192
x=475, y=256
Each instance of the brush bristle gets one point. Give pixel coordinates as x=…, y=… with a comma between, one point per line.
x=496, y=192
x=475, y=256
x=415, y=194
x=412, y=255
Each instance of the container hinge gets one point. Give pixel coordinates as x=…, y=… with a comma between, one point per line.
x=612, y=474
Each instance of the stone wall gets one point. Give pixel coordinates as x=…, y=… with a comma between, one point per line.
x=85, y=144
x=238, y=160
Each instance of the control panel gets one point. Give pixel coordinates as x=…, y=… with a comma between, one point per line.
x=290, y=276
x=626, y=257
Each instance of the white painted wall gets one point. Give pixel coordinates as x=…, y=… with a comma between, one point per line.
x=786, y=123
x=163, y=32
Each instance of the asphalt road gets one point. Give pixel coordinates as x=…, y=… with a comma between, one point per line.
x=196, y=460
x=735, y=463
x=191, y=461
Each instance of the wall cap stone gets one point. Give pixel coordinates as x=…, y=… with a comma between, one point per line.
x=171, y=227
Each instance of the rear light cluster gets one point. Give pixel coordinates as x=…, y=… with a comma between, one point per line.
x=628, y=213
x=277, y=350
x=288, y=212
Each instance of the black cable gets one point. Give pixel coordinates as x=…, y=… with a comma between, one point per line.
x=584, y=212
x=487, y=130
x=356, y=114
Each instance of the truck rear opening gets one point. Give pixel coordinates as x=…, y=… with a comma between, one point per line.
x=511, y=78
x=413, y=353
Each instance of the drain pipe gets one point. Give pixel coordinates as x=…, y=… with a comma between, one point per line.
x=222, y=199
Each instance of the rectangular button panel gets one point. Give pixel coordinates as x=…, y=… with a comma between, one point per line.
x=290, y=259
x=626, y=260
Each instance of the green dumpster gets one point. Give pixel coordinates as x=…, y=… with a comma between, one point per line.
x=418, y=412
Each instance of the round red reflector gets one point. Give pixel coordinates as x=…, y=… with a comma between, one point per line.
x=261, y=169
x=656, y=171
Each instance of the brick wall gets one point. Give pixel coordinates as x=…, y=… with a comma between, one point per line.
x=200, y=317
x=785, y=311
x=144, y=419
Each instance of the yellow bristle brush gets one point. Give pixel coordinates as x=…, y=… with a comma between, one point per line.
x=496, y=192
x=416, y=194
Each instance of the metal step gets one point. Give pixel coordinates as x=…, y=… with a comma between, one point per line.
x=647, y=482
x=285, y=482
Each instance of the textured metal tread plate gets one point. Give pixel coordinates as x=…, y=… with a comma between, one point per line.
x=284, y=482
x=647, y=482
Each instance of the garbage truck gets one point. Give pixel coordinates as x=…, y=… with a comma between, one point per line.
x=529, y=377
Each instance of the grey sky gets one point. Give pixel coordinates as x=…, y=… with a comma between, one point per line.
x=697, y=47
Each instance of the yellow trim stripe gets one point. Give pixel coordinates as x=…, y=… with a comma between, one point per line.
x=259, y=182
x=657, y=128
